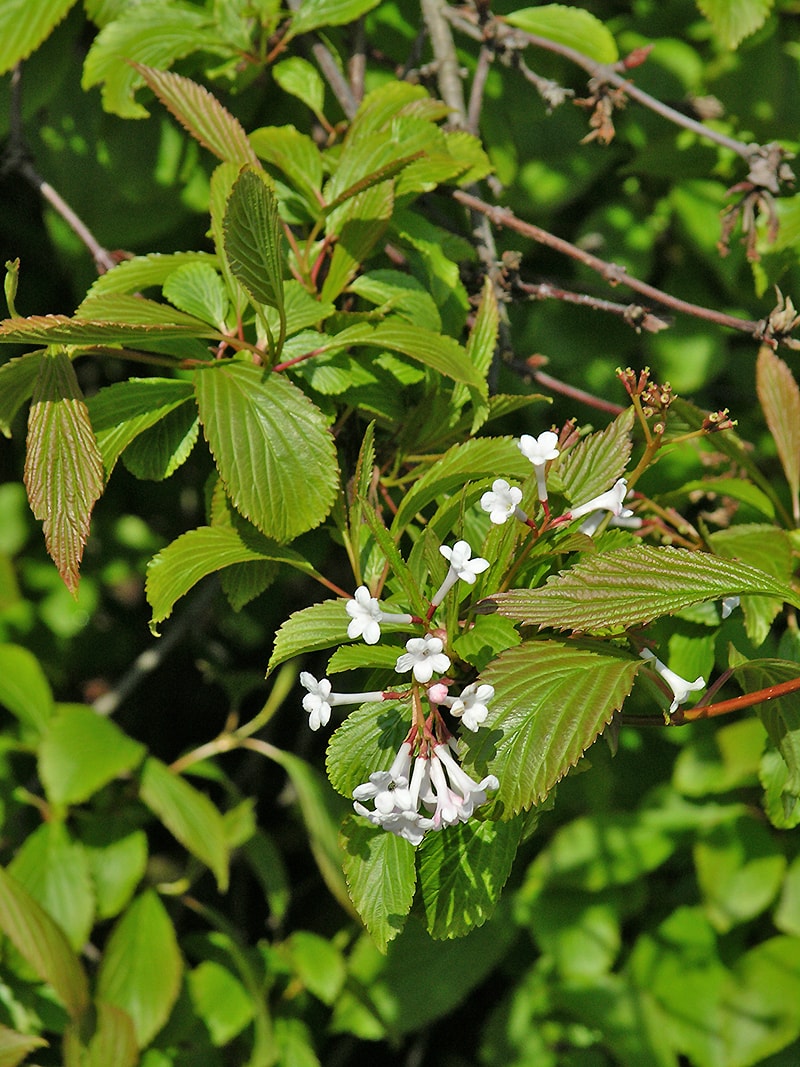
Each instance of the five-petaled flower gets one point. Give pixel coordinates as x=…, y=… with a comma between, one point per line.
x=461, y=566
x=502, y=501
x=472, y=706
x=424, y=656
x=366, y=616
x=679, y=686
x=540, y=450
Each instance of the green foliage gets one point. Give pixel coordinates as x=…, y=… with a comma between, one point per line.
x=331, y=394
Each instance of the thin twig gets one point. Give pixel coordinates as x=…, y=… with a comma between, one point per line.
x=333, y=75
x=485, y=57
x=448, y=70
x=555, y=385
x=612, y=272
x=634, y=315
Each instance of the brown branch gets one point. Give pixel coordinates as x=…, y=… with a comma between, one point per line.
x=724, y=707
x=634, y=315
x=613, y=273
x=555, y=385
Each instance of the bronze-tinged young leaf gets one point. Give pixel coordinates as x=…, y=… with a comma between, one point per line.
x=253, y=238
x=552, y=700
x=462, y=871
x=63, y=466
x=201, y=114
x=14, y=1046
x=272, y=446
x=596, y=461
x=381, y=878
x=113, y=1041
x=42, y=943
x=141, y=966
x=64, y=330
x=780, y=400
x=632, y=586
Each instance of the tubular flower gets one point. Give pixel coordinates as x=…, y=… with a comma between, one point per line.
x=395, y=798
x=366, y=616
x=424, y=656
x=472, y=706
x=502, y=501
x=449, y=791
x=729, y=603
x=679, y=686
x=319, y=699
x=539, y=450
x=461, y=566
x=608, y=501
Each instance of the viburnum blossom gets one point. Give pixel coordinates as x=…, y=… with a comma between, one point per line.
x=540, y=450
x=679, y=686
x=472, y=706
x=366, y=616
x=729, y=603
x=461, y=566
x=502, y=501
x=611, y=501
x=319, y=699
x=424, y=656
x=437, y=782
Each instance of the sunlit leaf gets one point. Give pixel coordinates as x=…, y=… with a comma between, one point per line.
x=552, y=700
x=197, y=289
x=381, y=878
x=297, y=76
x=200, y=113
x=157, y=452
x=733, y=20
x=14, y=1047
x=24, y=24
x=633, y=586
x=780, y=400
x=17, y=379
x=309, y=630
x=597, y=460
x=253, y=238
x=24, y=689
x=113, y=1040
x=312, y=14
x=63, y=466
x=571, y=26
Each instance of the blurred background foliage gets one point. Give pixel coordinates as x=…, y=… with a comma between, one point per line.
x=654, y=917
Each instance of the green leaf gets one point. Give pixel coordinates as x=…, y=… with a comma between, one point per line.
x=435, y=350
x=632, y=586
x=268, y=440
x=120, y=412
x=157, y=452
x=308, y=630
x=367, y=741
x=253, y=237
x=781, y=714
x=571, y=26
x=17, y=379
x=733, y=20
x=462, y=871
x=352, y=657
x=150, y=322
x=317, y=963
x=381, y=878
x=391, y=290
x=768, y=548
x=738, y=488
x=387, y=545
x=54, y=869
x=367, y=216
x=117, y=859
x=24, y=689
x=197, y=289
x=63, y=466
x=780, y=400
x=200, y=113
x=194, y=555
x=14, y=1047
x=322, y=812
x=151, y=32
x=188, y=814
x=142, y=272
x=739, y=871
x=24, y=24
x=552, y=700
x=43, y=944
x=113, y=1041
x=220, y=1001
x=760, y=1014
x=312, y=14
x=140, y=970
x=481, y=459
x=596, y=461
x=300, y=78
x=481, y=348
x=297, y=156
x=81, y=752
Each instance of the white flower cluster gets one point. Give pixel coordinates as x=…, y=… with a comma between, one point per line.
x=437, y=783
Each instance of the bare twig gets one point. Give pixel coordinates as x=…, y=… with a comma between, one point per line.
x=333, y=75
x=17, y=158
x=634, y=315
x=448, y=71
x=616, y=275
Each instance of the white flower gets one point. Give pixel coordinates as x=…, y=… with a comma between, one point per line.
x=679, y=686
x=396, y=799
x=366, y=615
x=539, y=450
x=461, y=566
x=473, y=705
x=319, y=699
x=626, y=520
x=608, y=501
x=424, y=656
x=502, y=501
x=728, y=605
x=449, y=791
